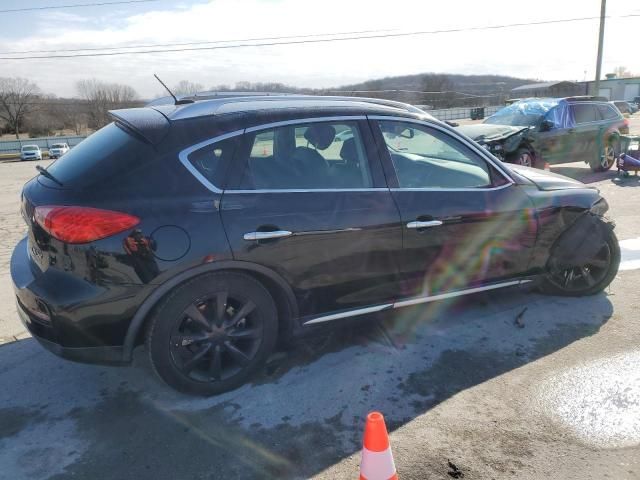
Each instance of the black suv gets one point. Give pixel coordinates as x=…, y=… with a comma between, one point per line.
x=210, y=229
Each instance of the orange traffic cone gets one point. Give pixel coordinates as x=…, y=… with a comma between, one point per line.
x=377, y=460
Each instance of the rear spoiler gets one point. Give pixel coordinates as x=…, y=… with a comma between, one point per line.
x=148, y=123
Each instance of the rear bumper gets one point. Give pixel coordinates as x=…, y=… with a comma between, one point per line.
x=96, y=355
x=68, y=315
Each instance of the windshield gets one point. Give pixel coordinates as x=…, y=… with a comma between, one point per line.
x=526, y=113
x=30, y=148
x=58, y=145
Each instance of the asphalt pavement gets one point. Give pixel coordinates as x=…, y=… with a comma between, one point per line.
x=556, y=395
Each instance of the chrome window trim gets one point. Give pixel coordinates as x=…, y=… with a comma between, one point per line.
x=414, y=301
x=436, y=189
x=284, y=123
x=475, y=148
x=184, y=158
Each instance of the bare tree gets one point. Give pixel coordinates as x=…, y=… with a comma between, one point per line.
x=17, y=100
x=101, y=97
x=622, y=72
x=185, y=87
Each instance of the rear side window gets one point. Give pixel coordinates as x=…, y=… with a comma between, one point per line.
x=209, y=160
x=108, y=152
x=321, y=155
x=584, y=113
x=607, y=112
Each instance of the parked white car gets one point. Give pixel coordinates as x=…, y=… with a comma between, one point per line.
x=58, y=149
x=30, y=152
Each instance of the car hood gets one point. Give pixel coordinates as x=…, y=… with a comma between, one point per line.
x=546, y=180
x=485, y=133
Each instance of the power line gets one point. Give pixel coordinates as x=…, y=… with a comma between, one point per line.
x=311, y=41
x=76, y=5
x=194, y=43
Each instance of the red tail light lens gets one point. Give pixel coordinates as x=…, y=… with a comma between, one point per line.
x=82, y=224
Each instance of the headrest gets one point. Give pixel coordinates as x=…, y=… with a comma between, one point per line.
x=320, y=135
x=348, y=151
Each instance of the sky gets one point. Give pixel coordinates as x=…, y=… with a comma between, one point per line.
x=565, y=51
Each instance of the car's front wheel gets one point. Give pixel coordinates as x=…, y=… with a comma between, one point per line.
x=211, y=333
x=524, y=157
x=593, y=276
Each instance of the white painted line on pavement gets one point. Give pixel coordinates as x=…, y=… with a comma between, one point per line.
x=630, y=250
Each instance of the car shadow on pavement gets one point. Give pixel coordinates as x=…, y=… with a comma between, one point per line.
x=631, y=181
x=302, y=414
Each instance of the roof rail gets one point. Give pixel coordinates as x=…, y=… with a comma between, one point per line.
x=252, y=96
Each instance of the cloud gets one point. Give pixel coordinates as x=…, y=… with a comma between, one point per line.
x=548, y=52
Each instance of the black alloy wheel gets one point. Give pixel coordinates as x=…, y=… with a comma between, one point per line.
x=212, y=333
x=591, y=277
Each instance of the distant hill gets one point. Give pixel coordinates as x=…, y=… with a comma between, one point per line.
x=458, y=90
x=455, y=90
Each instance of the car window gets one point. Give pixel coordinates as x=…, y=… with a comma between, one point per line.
x=584, y=113
x=30, y=149
x=322, y=155
x=208, y=159
x=607, y=112
x=427, y=158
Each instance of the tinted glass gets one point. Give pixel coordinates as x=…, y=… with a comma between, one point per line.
x=321, y=155
x=209, y=159
x=29, y=149
x=607, y=112
x=426, y=158
x=584, y=112
x=108, y=152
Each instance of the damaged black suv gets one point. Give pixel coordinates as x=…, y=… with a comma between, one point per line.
x=210, y=229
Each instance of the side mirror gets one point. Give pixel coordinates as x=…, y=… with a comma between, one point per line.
x=547, y=125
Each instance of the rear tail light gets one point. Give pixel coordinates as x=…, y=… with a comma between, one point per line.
x=82, y=224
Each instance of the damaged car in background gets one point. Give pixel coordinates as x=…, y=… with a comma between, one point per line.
x=535, y=131
x=513, y=144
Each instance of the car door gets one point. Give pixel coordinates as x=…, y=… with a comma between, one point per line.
x=556, y=142
x=587, y=131
x=308, y=199
x=465, y=223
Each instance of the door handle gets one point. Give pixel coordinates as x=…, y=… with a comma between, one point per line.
x=255, y=236
x=425, y=224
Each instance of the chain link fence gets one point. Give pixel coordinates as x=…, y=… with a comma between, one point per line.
x=458, y=113
x=14, y=146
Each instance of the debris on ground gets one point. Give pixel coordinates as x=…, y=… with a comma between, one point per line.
x=454, y=471
x=518, y=321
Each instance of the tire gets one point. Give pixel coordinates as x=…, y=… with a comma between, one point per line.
x=524, y=157
x=210, y=334
x=601, y=276
x=608, y=158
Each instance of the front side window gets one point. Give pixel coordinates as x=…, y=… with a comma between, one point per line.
x=322, y=155
x=427, y=158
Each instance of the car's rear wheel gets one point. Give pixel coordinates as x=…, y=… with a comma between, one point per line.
x=607, y=157
x=593, y=276
x=210, y=334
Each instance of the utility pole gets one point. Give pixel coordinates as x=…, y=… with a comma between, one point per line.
x=603, y=7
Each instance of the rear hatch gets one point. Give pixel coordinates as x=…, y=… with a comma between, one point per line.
x=87, y=178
